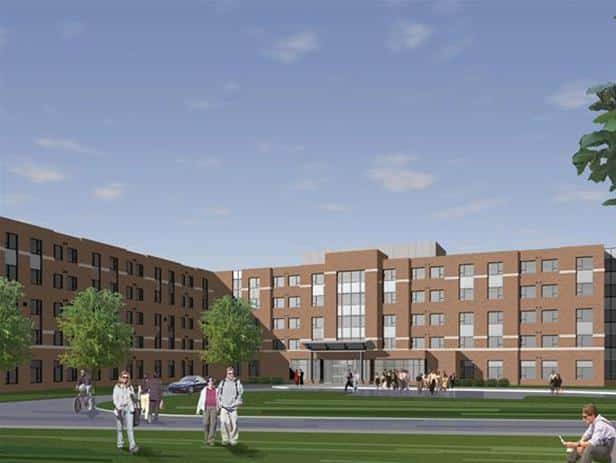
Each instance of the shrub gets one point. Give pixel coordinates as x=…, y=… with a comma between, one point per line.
x=503, y=382
x=478, y=382
x=491, y=383
x=466, y=382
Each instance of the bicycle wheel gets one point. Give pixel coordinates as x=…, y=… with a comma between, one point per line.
x=77, y=405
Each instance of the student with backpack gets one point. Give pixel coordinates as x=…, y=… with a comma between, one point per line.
x=230, y=392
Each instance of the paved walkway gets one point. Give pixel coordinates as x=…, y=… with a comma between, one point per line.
x=57, y=413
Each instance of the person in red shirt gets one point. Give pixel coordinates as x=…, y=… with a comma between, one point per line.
x=208, y=404
x=296, y=377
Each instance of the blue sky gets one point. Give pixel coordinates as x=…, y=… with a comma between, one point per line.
x=230, y=134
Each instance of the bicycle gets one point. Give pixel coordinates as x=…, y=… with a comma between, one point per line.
x=85, y=400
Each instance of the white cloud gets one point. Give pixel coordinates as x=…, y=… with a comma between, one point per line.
x=574, y=193
x=466, y=209
x=63, y=144
x=393, y=173
x=198, y=104
x=571, y=95
x=38, y=174
x=452, y=50
x=72, y=29
x=333, y=207
x=219, y=211
x=290, y=49
x=406, y=35
x=109, y=192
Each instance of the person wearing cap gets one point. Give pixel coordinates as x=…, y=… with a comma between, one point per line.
x=596, y=443
x=208, y=405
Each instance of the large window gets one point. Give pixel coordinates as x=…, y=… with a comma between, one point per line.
x=351, y=305
x=237, y=284
x=583, y=370
x=549, y=265
x=254, y=289
x=437, y=295
x=548, y=367
x=467, y=282
x=278, y=282
x=528, y=340
x=495, y=369
x=418, y=273
x=279, y=303
x=295, y=302
x=389, y=331
x=418, y=319
x=36, y=262
x=58, y=372
x=466, y=329
x=528, y=292
x=418, y=342
x=36, y=371
x=418, y=297
x=549, y=291
x=294, y=280
x=583, y=319
x=528, y=266
x=437, y=342
x=293, y=344
x=11, y=256
x=528, y=317
x=318, y=329
x=584, y=279
x=495, y=329
x=318, y=290
x=389, y=286
x=549, y=316
x=294, y=323
x=437, y=319
x=549, y=340
x=437, y=272
x=495, y=280
x=527, y=369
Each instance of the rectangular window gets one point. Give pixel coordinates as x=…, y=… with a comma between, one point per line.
x=140, y=294
x=418, y=343
x=11, y=257
x=57, y=309
x=583, y=370
x=277, y=344
x=58, y=252
x=548, y=367
x=549, y=291
x=171, y=287
x=318, y=290
x=528, y=266
x=549, y=316
x=129, y=292
x=528, y=317
x=528, y=292
x=466, y=270
x=237, y=284
x=140, y=270
x=73, y=256
x=279, y=303
x=294, y=302
x=418, y=273
x=389, y=332
x=293, y=280
x=437, y=319
x=58, y=338
x=294, y=323
x=466, y=330
x=293, y=344
x=36, y=371
x=318, y=329
x=467, y=369
x=549, y=340
x=549, y=265
x=437, y=342
x=583, y=327
x=495, y=329
x=12, y=376
x=279, y=323
x=72, y=283
x=36, y=262
x=584, y=276
x=527, y=369
x=389, y=286
x=418, y=297
x=495, y=280
x=437, y=272
x=253, y=368
x=171, y=369
x=254, y=289
x=351, y=305
x=495, y=369
x=205, y=299
x=418, y=319
x=279, y=282
x=528, y=341
x=57, y=281
x=58, y=372
x=437, y=295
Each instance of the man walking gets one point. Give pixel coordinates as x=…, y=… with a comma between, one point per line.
x=596, y=443
x=230, y=392
x=156, y=396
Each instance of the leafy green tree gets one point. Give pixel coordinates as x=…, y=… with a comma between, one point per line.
x=96, y=335
x=598, y=149
x=15, y=329
x=231, y=331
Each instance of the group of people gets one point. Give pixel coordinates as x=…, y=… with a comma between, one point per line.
x=352, y=381
x=215, y=402
x=297, y=376
x=435, y=382
x=392, y=379
x=556, y=383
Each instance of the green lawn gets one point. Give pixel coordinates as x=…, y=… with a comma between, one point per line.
x=312, y=403
x=41, y=395
x=27, y=445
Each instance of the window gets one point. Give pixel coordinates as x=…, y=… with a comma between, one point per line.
x=528, y=317
x=294, y=323
x=72, y=283
x=495, y=280
x=73, y=257
x=205, y=299
x=351, y=305
x=293, y=344
x=140, y=318
x=418, y=273
x=318, y=290
x=140, y=294
x=11, y=256
x=437, y=342
x=58, y=372
x=140, y=270
x=138, y=342
x=72, y=374
x=171, y=287
x=418, y=319
x=466, y=329
x=389, y=331
x=528, y=341
x=437, y=272
x=467, y=369
x=279, y=303
x=158, y=285
x=237, y=284
x=418, y=343
x=437, y=319
x=527, y=369
x=548, y=367
x=549, y=316
x=467, y=270
x=171, y=368
x=293, y=280
x=129, y=292
x=57, y=281
x=58, y=252
x=528, y=266
x=549, y=265
x=549, y=340
x=129, y=317
x=583, y=369
x=58, y=338
x=418, y=297
x=584, y=276
x=12, y=376
x=36, y=313
x=495, y=329
x=466, y=282
x=549, y=291
x=437, y=295
x=253, y=368
x=528, y=292
x=36, y=371
x=277, y=344
x=495, y=369
x=318, y=329
x=57, y=309
x=389, y=286
x=583, y=319
x=36, y=261
x=279, y=282
x=254, y=289
x=279, y=323
x=294, y=302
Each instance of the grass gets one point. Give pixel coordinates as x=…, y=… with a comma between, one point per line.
x=42, y=395
x=85, y=446
x=336, y=404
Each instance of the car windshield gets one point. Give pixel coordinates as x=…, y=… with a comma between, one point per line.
x=189, y=379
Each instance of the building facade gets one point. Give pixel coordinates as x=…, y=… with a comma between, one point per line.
x=517, y=314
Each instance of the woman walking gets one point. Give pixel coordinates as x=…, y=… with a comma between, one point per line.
x=124, y=409
x=208, y=404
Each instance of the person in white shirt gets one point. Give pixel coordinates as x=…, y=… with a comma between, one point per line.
x=124, y=399
x=597, y=442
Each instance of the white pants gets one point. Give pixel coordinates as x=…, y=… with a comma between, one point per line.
x=145, y=405
x=85, y=388
x=228, y=426
x=124, y=420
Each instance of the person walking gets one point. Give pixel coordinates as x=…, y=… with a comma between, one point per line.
x=296, y=377
x=596, y=443
x=355, y=381
x=156, y=396
x=124, y=399
x=230, y=392
x=143, y=393
x=208, y=404
x=349, y=381
x=301, y=377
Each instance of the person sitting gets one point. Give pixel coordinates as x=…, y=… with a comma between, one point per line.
x=596, y=443
x=84, y=383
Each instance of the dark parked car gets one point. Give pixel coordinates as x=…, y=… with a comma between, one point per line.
x=187, y=384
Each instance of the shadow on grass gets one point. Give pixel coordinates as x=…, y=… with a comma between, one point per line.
x=242, y=450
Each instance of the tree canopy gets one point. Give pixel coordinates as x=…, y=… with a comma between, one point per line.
x=15, y=329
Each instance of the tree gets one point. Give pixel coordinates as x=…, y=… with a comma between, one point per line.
x=598, y=149
x=231, y=330
x=96, y=335
x=15, y=329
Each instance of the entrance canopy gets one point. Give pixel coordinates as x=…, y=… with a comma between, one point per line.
x=339, y=346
